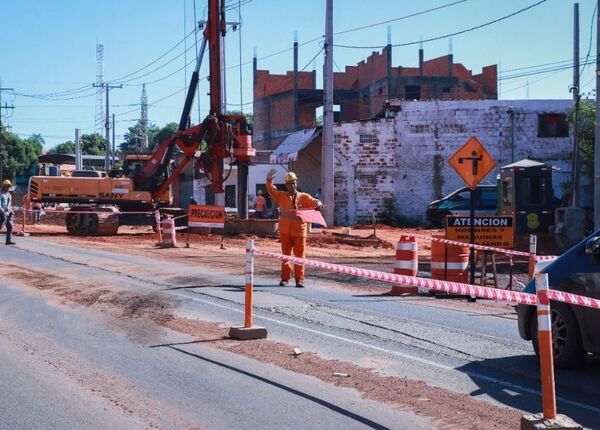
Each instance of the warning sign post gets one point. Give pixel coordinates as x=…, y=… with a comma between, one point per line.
x=206, y=216
x=472, y=162
x=494, y=231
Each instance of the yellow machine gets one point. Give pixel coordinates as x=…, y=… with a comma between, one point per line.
x=103, y=197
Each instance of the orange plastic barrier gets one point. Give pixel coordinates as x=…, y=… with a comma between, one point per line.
x=449, y=263
x=407, y=262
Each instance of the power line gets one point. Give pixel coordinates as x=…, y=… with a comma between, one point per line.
x=587, y=56
x=137, y=78
x=163, y=55
x=570, y=60
x=543, y=71
x=431, y=39
x=400, y=18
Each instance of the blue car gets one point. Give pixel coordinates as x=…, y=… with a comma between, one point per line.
x=458, y=202
x=575, y=329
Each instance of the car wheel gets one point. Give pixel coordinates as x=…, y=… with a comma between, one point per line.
x=566, y=337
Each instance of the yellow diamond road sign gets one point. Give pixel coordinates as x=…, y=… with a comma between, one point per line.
x=472, y=162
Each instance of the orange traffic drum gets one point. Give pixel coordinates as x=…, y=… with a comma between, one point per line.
x=449, y=262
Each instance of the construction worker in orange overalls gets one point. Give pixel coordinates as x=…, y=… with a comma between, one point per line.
x=291, y=230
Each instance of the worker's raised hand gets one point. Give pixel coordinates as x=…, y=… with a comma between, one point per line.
x=271, y=174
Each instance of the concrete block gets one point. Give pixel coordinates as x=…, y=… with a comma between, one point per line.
x=537, y=422
x=248, y=333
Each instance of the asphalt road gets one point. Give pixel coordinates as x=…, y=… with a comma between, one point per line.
x=66, y=367
x=471, y=352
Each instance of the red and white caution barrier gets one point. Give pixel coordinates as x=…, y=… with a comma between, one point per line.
x=437, y=285
x=69, y=212
x=406, y=262
x=486, y=248
x=573, y=299
x=541, y=299
x=167, y=225
x=410, y=281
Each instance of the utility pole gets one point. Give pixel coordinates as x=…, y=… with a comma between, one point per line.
x=113, y=140
x=78, y=163
x=327, y=161
x=107, y=87
x=575, y=89
x=597, y=131
x=6, y=107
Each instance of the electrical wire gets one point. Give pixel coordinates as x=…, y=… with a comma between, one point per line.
x=66, y=94
x=532, y=83
x=137, y=78
x=163, y=55
x=456, y=33
x=543, y=71
x=400, y=18
x=587, y=56
x=542, y=65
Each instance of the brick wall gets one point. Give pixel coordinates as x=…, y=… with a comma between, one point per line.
x=368, y=148
x=362, y=89
x=406, y=157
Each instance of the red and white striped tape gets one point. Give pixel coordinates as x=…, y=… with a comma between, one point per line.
x=180, y=216
x=412, y=281
x=574, y=299
x=67, y=212
x=439, y=285
x=486, y=248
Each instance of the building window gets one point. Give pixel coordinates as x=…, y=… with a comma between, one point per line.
x=446, y=89
x=419, y=128
x=367, y=138
x=337, y=138
x=453, y=128
x=553, y=125
x=413, y=92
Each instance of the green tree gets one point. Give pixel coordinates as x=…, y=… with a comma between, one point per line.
x=19, y=155
x=587, y=124
x=91, y=144
x=132, y=139
x=163, y=134
x=67, y=147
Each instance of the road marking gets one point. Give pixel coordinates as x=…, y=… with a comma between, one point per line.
x=347, y=340
x=396, y=353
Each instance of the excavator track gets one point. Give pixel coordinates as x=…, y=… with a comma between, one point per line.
x=92, y=221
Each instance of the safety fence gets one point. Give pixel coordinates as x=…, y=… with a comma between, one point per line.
x=435, y=284
x=487, y=248
x=541, y=299
x=531, y=257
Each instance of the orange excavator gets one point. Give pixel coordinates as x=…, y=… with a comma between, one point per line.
x=100, y=204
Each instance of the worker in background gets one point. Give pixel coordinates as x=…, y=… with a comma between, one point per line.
x=291, y=230
x=6, y=212
x=260, y=205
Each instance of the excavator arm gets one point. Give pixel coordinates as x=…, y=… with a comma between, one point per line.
x=226, y=136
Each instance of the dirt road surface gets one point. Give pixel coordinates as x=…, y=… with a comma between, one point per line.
x=139, y=333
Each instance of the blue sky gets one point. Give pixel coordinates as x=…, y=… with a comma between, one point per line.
x=49, y=46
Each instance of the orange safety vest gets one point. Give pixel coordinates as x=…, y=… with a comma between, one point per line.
x=287, y=204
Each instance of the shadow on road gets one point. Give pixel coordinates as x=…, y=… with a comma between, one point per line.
x=337, y=409
x=515, y=382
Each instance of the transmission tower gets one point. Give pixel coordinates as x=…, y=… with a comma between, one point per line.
x=99, y=92
x=144, y=120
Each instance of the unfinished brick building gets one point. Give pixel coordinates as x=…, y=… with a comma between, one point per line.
x=286, y=103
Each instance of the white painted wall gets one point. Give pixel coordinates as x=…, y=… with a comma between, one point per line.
x=406, y=156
